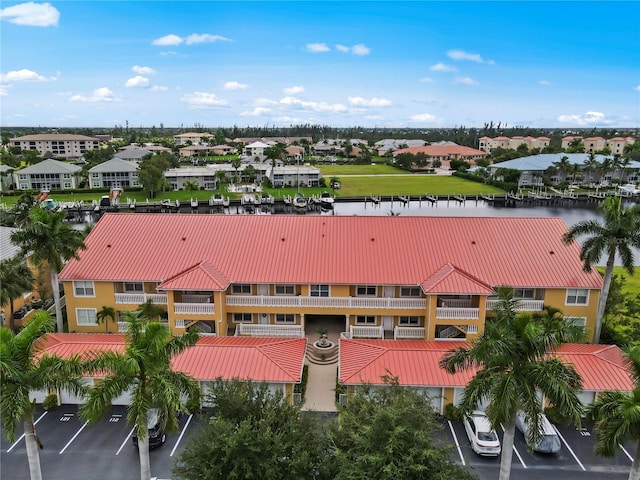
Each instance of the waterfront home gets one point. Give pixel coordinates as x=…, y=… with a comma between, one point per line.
x=292, y=175
x=192, y=138
x=206, y=176
x=48, y=174
x=445, y=153
x=371, y=276
x=114, y=173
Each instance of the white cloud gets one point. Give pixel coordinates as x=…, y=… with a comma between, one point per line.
x=205, y=38
x=369, y=102
x=359, y=49
x=158, y=88
x=31, y=14
x=314, y=106
x=374, y=117
x=317, y=47
x=465, y=81
x=426, y=80
x=441, y=67
x=587, y=118
x=203, y=100
x=293, y=90
x=235, y=86
x=98, y=95
x=143, y=70
x=637, y=89
x=256, y=112
x=167, y=40
x=3, y=91
x=423, y=117
x=544, y=82
x=263, y=102
x=23, y=75
x=472, y=57
x=137, y=81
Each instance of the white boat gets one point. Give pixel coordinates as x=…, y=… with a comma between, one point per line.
x=299, y=201
x=194, y=203
x=248, y=199
x=267, y=199
x=217, y=200
x=326, y=200
x=629, y=189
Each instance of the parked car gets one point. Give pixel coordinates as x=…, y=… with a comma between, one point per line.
x=156, y=435
x=483, y=438
x=550, y=441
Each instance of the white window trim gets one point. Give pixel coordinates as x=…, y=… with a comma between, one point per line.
x=410, y=296
x=124, y=287
x=367, y=287
x=320, y=290
x=375, y=320
x=93, y=287
x=285, y=315
x=233, y=317
x=409, y=324
x=566, y=297
x=242, y=285
x=286, y=286
x=88, y=310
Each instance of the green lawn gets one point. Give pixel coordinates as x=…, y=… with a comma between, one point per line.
x=413, y=185
x=631, y=284
x=338, y=170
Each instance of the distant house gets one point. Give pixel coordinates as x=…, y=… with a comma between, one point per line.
x=206, y=177
x=289, y=176
x=488, y=144
x=255, y=149
x=445, y=153
x=114, y=173
x=595, y=144
x=60, y=145
x=6, y=177
x=387, y=145
x=193, y=138
x=294, y=153
x=136, y=154
x=47, y=175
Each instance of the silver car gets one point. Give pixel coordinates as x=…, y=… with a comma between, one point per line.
x=549, y=442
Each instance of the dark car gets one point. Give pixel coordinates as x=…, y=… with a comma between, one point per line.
x=156, y=435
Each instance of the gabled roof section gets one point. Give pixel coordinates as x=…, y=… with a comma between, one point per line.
x=203, y=276
x=449, y=279
x=116, y=164
x=50, y=166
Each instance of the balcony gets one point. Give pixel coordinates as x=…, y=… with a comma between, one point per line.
x=326, y=302
x=522, y=305
x=193, y=308
x=408, y=332
x=448, y=313
x=140, y=298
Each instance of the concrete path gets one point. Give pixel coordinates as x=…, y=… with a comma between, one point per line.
x=320, y=395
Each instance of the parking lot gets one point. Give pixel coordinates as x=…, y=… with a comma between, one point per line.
x=73, y=450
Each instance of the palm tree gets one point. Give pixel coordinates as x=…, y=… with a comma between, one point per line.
x=619, y=234
x=563, y=166
x=191, y=186
x=104, y=314
x=150, y=310
x=15, y=278
x=616, y=416
x=591, y=165
x=47, y=238
x=236, y=163
x=515, y=362
x=144, y=369
x=24, y=370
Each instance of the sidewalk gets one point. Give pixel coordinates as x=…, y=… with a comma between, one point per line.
x=320, y=395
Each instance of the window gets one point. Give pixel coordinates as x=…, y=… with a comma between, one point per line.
x=285, y=318
x=83, y=288
x=86, y=316
x=524, y=293
x=241, y=289
x=414, y=321
x=577, y=321
x=285, y=290
x=366, y=291
x=242, y=318
x=319, y=291
x=131, y=287
x=577, y=296
x=410, y=291
x=365, y=320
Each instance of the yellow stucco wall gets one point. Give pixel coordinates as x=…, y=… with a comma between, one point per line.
x=557, y=298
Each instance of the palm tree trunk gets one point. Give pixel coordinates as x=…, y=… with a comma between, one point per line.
x=602, y=302
x=12, y=322
x=55, y=286
x=143, y=454
x=507, y=450
x=634, y=473
x=33, y=449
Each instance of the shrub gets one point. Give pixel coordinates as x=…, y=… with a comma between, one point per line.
x=302, y=386
x=50, y=402
x=453, y=413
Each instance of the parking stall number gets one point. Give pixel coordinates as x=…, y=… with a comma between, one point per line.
x=66, y=417
x=584, y=432
x=115, y=418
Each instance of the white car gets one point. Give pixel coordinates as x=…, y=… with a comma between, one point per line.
x=550, y=441
x=483, y=438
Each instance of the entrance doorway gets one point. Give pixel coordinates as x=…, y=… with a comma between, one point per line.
x=333, y=324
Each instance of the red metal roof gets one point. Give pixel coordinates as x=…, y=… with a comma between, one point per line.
x=416, y=363
x=200, y=277
x=352, y=250
x=273, y=360
x=449, y=279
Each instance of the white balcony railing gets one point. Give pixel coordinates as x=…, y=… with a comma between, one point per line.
x=193, y=308
x=257, y=330
x=124, y=326
x=140, y=298
x=361, y=331
x=522, y=305
x=408, y=332
x=193, y=298
x=325, y=302
x=457, y=313
x=457, y=303
x=182, y=323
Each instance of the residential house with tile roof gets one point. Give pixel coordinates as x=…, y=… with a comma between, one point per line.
x=114, y=173
x=48, y=174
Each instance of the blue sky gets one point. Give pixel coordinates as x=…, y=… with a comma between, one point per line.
x=385, y=64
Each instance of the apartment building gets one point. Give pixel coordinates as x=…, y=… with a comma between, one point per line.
x=192, y=138
x=48, y=175
x=488, y=144
x=596, y=144
x=61, y=145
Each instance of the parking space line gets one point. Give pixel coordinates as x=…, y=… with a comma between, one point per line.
x=455, y=439
x=73, y=438
x=515, y=449
x=184, y=429
x=569, y=448
x=626, y=453
x=125, y=441
x=22, y=436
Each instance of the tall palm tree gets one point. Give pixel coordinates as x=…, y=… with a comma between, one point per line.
x=104, y=314
x=150, y=310
x=616, y=416
x=24, y=370
x=563, y=166
x=191, y=186
x=16, y=278
x=591, y=165
x=515, y=364
x=144, y=369
x=47, y=238
x=618, y=234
